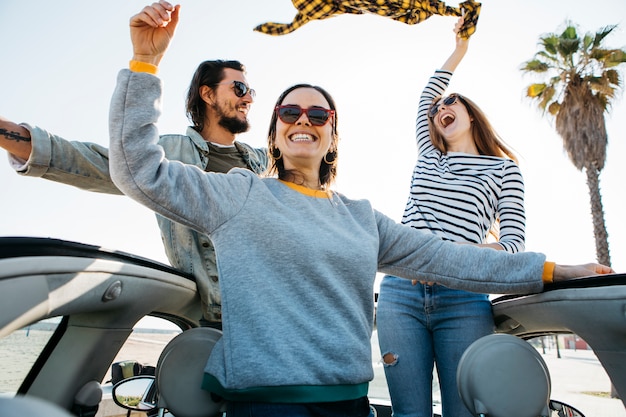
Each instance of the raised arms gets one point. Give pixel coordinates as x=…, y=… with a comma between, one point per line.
x=15, y=139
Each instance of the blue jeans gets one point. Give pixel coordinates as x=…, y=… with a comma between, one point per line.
x=420, y=325
x=351, y=408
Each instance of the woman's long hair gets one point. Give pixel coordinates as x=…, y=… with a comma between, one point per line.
x=487, y=140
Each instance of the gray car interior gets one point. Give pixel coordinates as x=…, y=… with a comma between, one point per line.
x=102, y=294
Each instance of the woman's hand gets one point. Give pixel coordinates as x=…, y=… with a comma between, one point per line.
x=151, y=31
x=566, y=272
x=459, y=52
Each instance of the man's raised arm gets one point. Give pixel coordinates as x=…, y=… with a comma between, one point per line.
x=15, y=139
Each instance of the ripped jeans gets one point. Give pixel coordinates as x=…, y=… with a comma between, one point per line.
x=420, y=325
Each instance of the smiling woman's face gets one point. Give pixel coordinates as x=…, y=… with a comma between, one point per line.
x=452, y=117
x=301, y=143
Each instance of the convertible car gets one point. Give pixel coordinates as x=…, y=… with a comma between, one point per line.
x=88, y=331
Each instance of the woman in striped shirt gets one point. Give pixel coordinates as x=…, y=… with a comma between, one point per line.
x=466, y=186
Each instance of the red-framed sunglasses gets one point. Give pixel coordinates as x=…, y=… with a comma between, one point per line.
x=318, y=116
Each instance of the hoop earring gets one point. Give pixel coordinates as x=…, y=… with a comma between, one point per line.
x=330, y=157
x=276, y=154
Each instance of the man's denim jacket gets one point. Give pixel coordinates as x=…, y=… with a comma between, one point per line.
x=86, y=166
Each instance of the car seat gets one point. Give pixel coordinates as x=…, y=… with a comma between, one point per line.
x=179, y=374
x=500, y=375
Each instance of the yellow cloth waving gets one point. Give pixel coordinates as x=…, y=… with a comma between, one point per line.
x=405, y=11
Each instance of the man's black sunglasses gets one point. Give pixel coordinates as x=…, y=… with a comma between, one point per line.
x=241, y=89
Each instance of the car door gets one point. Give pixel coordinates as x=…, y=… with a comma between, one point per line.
x=69, y=310
x=579, y=327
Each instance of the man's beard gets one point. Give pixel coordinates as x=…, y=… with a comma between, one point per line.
x=232, y=124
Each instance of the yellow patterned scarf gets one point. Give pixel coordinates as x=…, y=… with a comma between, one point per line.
x=405, y=11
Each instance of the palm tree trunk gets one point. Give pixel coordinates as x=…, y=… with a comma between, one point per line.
x=597, y=215
x=599, y=227
x=556, y=343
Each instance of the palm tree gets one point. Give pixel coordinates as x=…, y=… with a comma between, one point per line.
x=580, y=82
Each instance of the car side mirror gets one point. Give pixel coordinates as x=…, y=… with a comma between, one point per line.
x=559, y=409
x=136, y=393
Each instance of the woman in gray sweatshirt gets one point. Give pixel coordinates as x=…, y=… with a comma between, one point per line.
x=296, y=260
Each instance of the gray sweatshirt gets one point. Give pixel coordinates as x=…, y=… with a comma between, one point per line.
x=296, y=267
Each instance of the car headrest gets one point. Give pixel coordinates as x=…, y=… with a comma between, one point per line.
x=21, y=406
x=500, y=375
x=179, y=374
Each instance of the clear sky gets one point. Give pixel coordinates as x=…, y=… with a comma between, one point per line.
x=60, y=60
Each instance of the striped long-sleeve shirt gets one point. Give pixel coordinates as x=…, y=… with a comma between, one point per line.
x=460, y=196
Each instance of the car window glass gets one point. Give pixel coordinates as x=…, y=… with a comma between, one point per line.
x=144, y=346
x=378, y=386
x=20, y=350
x=577, y=376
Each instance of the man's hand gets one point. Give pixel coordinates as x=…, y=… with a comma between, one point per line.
x=151, y=31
